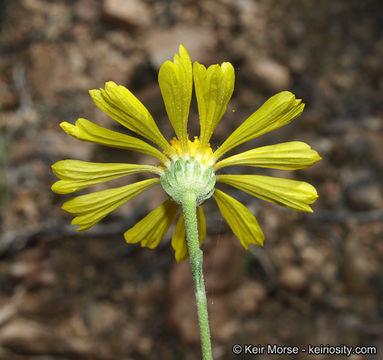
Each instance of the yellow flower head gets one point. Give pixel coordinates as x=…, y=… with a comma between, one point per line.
x=185, y=164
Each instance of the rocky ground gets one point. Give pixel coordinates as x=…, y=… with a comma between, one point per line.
x=318, y=279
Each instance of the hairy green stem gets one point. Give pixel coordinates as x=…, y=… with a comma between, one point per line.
x=196, y=256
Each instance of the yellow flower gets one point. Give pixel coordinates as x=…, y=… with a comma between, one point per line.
x=184, y=164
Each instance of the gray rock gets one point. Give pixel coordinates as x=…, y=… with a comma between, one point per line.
x=363, y=191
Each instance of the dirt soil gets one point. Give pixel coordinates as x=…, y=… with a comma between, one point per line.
x=318, y=279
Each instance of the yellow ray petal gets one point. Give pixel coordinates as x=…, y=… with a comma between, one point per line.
x=176, y=84
x=91, y=208
x=154, y=226
x=278, y=111
x=287, y=156
x=87, y=131
x=120, y=104
x=76, y=175
x=214, y=87
x=241, y=221
x=292, y=194
x=179, y=243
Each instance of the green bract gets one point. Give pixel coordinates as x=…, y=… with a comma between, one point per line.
x=188, y=176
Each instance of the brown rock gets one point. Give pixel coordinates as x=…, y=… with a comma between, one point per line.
x=102, y=317
x=65, y=146
x=87, y=10
x=21, y=150
x=121, y=40
x=22, y=335
x=249, y=13
x=146, y=295
x=223, y=326
x=132, y=13
x=183, y=313
x=222, y=272
x=300, y=238
x=331, y=193
x=28, y=23
x=222, y=264
x=162, y=44
x=63, y=67
x=293, y=278
x=10, y=308
x=8, y=98
x=317, y=290
x=313, y=258
x=248, y=297
x=283, y=253
x=23, y=209
x=33, y=267
x=54, y=18
x=356, y=265
x=182, y=303
x=106, y=63
x=363, y=191
x=271, y=74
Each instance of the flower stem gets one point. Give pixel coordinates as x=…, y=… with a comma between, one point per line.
x=196, y=256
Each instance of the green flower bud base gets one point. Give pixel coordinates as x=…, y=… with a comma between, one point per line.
x=188, y=177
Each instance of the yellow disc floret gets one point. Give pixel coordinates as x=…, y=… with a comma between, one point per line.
x=194, y=151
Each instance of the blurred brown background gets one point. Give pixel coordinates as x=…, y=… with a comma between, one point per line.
x=318, y=280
